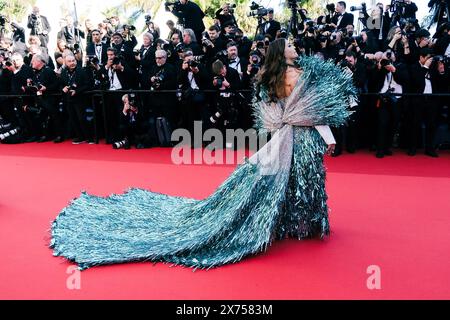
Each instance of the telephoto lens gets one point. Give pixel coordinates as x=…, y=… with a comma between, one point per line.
x=121, y=144
x=9, y=133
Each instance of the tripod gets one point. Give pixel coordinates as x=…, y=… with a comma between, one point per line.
x=259, y=27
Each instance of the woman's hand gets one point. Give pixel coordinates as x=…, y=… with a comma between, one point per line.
x=330, y=149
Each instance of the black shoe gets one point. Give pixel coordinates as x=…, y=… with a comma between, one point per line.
x=411, y=152
x=78, y=141
x=43, y=139
x=431, y=153
x=58, y=139
x=336, y=153
x=91, y=141
x=387, y=152
x=379, y=154
x=351, y=150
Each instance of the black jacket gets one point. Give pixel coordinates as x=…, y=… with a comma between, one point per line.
x=78, y=80
x=347, y=19
x=190, y=15
x=90, y=51
x=19, y=79
x=377, y=78
x=417, y=78
x=272, y=28
x=71, y=38
x=202, y=78
x=146, y=64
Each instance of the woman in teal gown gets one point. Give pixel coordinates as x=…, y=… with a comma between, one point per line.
x=277, y=193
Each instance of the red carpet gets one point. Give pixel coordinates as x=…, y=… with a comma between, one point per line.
x=392, y=212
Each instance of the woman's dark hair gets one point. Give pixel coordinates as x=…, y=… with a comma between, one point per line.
x=271, y=76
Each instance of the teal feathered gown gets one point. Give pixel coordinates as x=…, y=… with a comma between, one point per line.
x=279, y=192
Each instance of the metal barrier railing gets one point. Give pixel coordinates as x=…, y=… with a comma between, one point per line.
x=102, y=93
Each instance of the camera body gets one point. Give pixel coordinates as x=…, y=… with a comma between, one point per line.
x=93, y=60
x=32, y=87
x=148, y=19
x=388, y=96
x=159, y=78
x=219, y=81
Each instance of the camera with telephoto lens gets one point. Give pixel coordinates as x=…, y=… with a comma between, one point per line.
x=193, y=63
x=92, y=60
x=148, y=19
x=231, y=7
x=388, y=96
x=362, y=7
x=255, y=61
x=206, y=41
x=159, y=78
x=116, y=61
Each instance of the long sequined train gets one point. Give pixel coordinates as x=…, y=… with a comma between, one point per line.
x=279, y=192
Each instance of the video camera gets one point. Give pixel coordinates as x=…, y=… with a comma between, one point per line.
x=257, y=11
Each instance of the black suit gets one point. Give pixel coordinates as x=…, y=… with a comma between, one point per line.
x=71, y=35
x=76, y=105
x=270, y=27
x=387, y=111
x=347, y=19
x=422, y=108
x=190, y=16
x=146, y=64
x=164, y=104
x=91, y=51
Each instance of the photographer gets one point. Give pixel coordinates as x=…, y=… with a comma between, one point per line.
x=190, y=41
x=129, y=39
x=121, y=77
x=20, y=73
x=192, y=80
x=233, y=61
x=243, y=43
x=71, y=33
x=270, y=26
x=42, y=112
x=172, y=30
x=398, y=41
x=189, y=15
x=352, y=130
x=415, y=45
x=389, y=78
x=146, y=60
x=342, y=19
x=97, y=48
x=212, y=43
x=39, y=26
x=133, y=129
x=425, y=76
x=225, y=14
x=74, y=82
x=226, y=114
x=442, y=45
x=163, y=77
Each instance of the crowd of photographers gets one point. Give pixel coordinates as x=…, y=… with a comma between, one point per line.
x=391, y=55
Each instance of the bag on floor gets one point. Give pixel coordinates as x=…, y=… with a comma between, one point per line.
x=163, y=132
